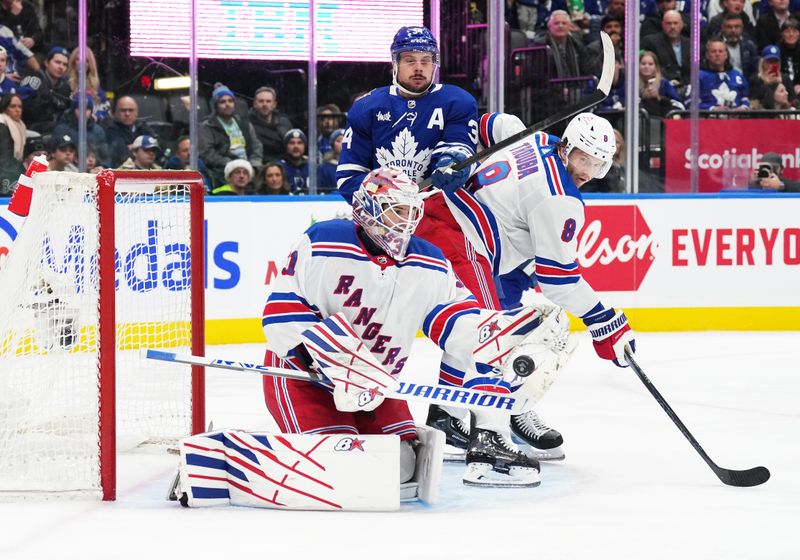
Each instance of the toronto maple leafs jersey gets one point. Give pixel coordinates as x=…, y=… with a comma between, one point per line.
x=329, y=271
x=726, y=89
x=385, y=128
x=539, y=213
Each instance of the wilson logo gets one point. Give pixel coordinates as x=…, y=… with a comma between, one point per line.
x=615, y=248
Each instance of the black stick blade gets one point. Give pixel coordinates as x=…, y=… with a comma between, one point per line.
x=750, y=477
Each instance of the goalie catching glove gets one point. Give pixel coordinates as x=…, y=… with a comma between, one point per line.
x=359, y=381
x=528, y=347
x=610, y=334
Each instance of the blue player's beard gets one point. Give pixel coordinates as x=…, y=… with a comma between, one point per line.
x=419, y=89
x=411, y=90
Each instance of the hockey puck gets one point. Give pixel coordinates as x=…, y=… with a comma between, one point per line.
x=523, y=366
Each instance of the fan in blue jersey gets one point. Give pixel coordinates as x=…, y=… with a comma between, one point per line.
x=722, y=87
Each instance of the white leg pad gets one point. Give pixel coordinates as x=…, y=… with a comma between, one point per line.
x=334, y=472
x=408, y=460
x=430, y=456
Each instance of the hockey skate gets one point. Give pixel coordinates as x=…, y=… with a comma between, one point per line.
x=536, y=438
x=493, y=461
x=456, y=432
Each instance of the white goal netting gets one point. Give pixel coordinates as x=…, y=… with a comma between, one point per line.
x=50, y=335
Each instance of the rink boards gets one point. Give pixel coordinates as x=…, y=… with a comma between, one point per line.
x=674, y=263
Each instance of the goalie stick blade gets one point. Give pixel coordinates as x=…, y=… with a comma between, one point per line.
x=746, y=478
x=430, y=394
x=602, y=91
x=743, y=479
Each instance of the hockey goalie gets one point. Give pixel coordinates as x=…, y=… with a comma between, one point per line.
x=346, y=308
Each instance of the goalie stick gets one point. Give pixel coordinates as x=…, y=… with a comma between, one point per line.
x=598, y=95
x=431, y=394
x=749, y=477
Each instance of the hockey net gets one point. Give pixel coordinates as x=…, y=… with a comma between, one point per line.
x=102, y=266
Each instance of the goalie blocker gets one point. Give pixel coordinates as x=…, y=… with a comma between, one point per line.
x=332, y=472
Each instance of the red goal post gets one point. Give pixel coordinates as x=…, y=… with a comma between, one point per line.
x=102, y=266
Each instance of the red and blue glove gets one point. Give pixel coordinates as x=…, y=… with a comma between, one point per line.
x=444, y=177
x=610, y=333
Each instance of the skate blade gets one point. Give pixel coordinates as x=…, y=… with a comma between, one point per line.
x=172, y=493
x=453, y=454
x=554, y=454
x=409, y=491
x=483, y=475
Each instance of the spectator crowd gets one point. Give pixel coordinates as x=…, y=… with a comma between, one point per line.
x=748, y=47
x=751, y=59
x=257, y=151
x=750, y=56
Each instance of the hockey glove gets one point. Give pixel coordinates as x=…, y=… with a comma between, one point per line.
x=610, y=333
x=444, y=177
x=502, y=334
x=359, y=381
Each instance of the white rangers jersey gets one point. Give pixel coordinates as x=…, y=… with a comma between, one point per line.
x=539, y=212
x=386, y=301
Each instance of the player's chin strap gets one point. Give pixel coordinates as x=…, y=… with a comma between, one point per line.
x=410, y=93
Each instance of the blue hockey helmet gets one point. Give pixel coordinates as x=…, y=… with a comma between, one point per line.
x=414, y=38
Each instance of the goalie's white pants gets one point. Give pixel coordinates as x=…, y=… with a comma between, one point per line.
x=332, y=472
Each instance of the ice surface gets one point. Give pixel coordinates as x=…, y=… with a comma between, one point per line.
x=631, y=485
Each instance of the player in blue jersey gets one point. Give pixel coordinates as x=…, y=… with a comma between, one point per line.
x=420, y=127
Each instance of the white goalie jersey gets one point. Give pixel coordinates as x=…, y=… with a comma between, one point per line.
x=386, y=301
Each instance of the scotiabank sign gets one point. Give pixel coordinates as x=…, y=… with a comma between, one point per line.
x=729, y=150
x=615, y=248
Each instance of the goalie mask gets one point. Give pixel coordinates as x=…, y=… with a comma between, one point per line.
x=389, y=207
x=414, y=39
x=593, y=135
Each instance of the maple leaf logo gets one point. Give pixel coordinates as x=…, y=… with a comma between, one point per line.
x=724, y=95
x=404, y=156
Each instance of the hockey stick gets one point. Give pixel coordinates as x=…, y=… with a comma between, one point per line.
x=431, y=394
x=749, y=477
x=598, y=95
